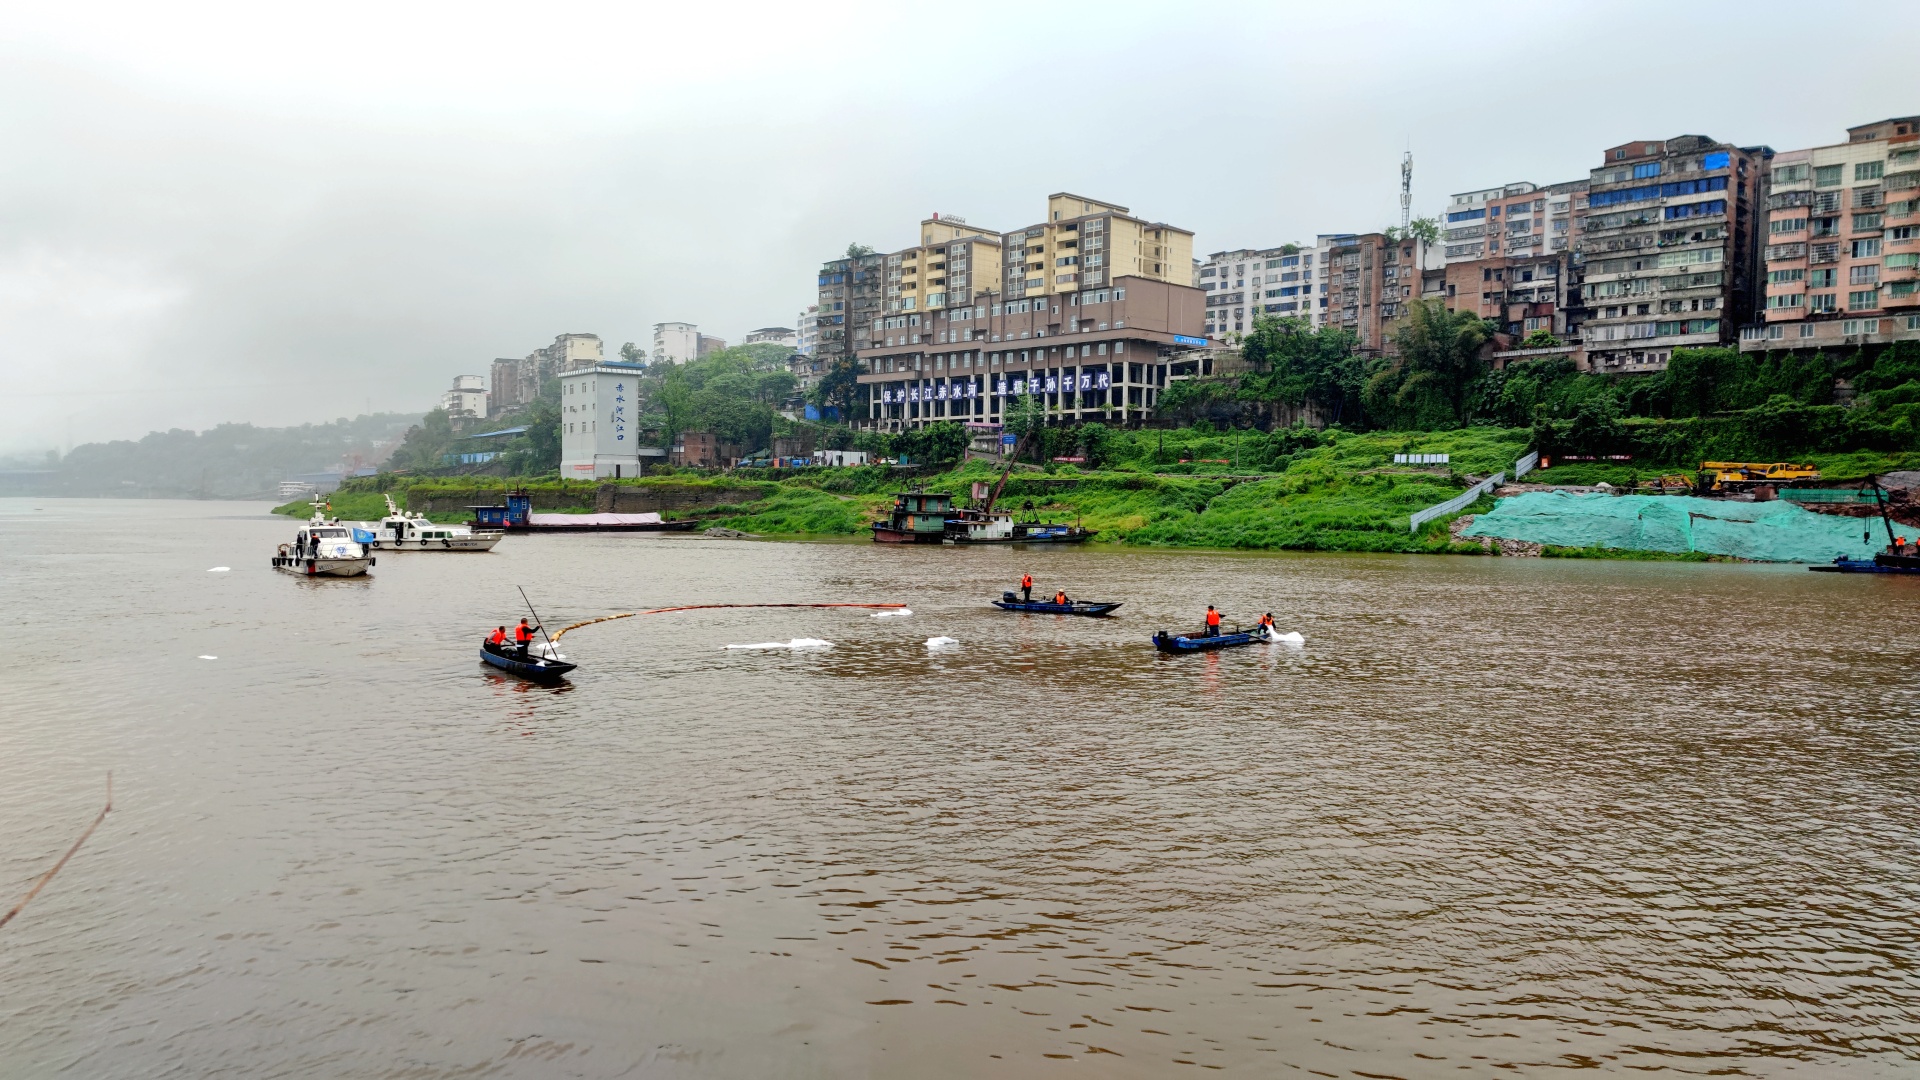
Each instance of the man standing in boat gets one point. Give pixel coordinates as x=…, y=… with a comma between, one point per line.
x=523, y=635
x=1213, y=622
x=1026, y=588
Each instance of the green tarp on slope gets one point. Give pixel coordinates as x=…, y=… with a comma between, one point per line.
x=1762, y=531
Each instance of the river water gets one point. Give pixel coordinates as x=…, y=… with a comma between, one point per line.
x=1495, y=816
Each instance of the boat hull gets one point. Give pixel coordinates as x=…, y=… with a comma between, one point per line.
x=1183, y=644
x=1049, y=608
x=1867, y=566
x=887, y=534
x=323, y=567
x=480, y=542
x=533, y=669
x=656, y=526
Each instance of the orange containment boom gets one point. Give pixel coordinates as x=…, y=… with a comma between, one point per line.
x=703, y=607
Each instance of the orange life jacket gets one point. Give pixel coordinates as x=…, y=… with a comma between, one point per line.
x=1059, y=598
x=498, y=637
x=1026, y=581
x=522, y=633
x=1213, y=618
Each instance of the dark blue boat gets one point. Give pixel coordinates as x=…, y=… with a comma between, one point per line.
x=1012, y=602
x=1844, y=565
x=511, y=660
x=1181, y=643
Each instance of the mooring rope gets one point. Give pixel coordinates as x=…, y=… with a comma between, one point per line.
x=48, y=876
x=699, y=607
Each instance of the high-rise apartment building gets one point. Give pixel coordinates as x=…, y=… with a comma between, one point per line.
x=1079, y=312
x=807, y=330
x=675, y=342
x=517, y=382
x=1671, y=248
x=1509, y=256
x=850, y=298
x=1842, y=257
x=1243, y=284
x=1369, y=282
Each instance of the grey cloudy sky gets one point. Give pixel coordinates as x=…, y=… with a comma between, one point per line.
x=282, y=214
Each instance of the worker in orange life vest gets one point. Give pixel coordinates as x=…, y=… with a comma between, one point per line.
x=498, y=637
x=1060, y=596
x=1213, y=622
x=1026, y=587
x=523, y=636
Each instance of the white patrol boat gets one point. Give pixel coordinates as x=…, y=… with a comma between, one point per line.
x=323, y=548
x=403, y=531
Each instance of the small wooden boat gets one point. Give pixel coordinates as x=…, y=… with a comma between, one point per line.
x=526, y=665
x=1181, y=643
x=1012, y=602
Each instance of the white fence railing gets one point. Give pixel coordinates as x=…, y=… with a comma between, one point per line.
x=1466, y=498
x=1458, y=502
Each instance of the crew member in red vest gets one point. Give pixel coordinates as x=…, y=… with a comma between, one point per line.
x=1026, y=587
x=523, y=636
x=1213, y=622
x=498, y=637
x=1060, y=596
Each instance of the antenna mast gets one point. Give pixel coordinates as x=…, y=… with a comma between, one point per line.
x=1406, y=191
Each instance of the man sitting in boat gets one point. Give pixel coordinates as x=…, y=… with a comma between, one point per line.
x=1213, y=622
x=1060, y=597
x=1266, y=624
x=498, y=639
x=523, y=636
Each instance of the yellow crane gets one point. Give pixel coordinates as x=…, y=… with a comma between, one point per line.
x=1728, y=477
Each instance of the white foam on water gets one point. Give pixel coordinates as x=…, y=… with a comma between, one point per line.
x=892, y=614
x=940, y=642
x=1291, y=637
x=209, y=658
x=796, y=643
x=220, y=570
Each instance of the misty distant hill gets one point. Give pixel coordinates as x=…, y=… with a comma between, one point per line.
x=227, y=462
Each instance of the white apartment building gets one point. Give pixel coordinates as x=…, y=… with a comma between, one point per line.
x=468, y=398
x=1247, y=282
x=772, y=335
x=599, y=408
x=807, y=330
x=675, y=342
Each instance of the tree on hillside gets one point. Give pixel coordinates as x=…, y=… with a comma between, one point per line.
x=1294, y=364
x=839, y=387
x=426, y=443
x=1425, y=386
x=1025, y=415
x=633, y=354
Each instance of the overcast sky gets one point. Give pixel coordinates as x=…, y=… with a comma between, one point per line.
x=289, y=213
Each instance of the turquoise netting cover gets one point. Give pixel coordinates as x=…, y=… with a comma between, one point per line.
x=1762, y=531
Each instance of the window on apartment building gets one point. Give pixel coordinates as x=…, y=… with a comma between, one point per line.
x=1778, y=277
x=1789, y=174
x=1651, y=168
x=1823, y=303
x=1869, y=170
x=1866, y=249
x=1863, y=300
x=1868, y=222
x=1864, y=274
x=1820, y=279
x=1827, y=176
x=1786, y=225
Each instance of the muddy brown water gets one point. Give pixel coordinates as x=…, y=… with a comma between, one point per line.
x=1496, y=816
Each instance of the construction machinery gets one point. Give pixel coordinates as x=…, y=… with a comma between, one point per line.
x=1669, y=484
x=1740, y=477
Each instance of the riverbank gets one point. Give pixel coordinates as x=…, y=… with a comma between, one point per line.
x=1331, y=491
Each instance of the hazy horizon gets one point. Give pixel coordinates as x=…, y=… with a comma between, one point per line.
x=223, y=213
